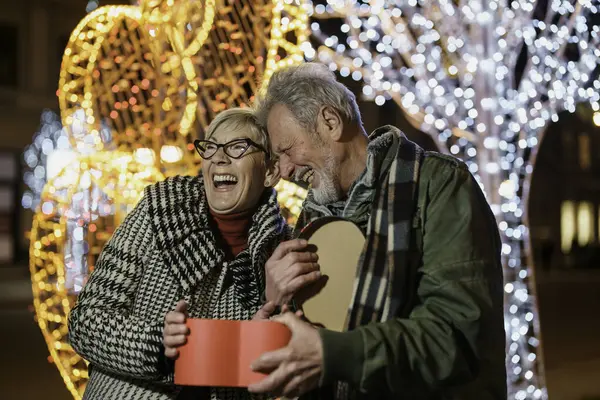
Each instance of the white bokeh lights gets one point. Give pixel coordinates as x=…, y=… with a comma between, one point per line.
x=484, y=78
x=50, y=139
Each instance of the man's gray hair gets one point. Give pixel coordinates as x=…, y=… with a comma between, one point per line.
x=240, y=118
x=304, y=89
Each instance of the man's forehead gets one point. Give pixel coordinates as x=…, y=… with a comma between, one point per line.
x=278, y=143
x=279, y=115
x=282, y=129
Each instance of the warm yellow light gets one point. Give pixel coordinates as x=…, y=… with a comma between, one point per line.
x=122, y=180
x=291, y=197
x=144, y=156
x=567, y=225
x=98, y=88
x=153, y=116
x=596, y=118
x=170, y=154
x=585, y=224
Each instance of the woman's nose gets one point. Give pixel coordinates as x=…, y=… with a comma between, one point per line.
x=220, y=157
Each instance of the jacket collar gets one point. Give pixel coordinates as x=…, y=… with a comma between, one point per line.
x=180, y=216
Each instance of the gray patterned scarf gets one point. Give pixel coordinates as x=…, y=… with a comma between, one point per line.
x=386, y=196
x=383, y=196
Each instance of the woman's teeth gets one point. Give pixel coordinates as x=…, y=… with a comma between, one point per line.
x=224, y=179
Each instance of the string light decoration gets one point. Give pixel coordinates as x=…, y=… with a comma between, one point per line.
x=111, y=72
x=79, y=211
x=246, y=42
x=51, y=151
x=127, y=66
x=178, y=42
x=484, y=78
x=49, y=138
x=290, y=197
x=135, y=82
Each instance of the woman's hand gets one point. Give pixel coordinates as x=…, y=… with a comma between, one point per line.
x=175, y=331
x=265, y=311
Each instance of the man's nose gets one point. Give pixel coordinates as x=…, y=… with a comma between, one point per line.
x=286, y=168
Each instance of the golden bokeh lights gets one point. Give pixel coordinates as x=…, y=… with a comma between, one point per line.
x=137, y=85
x=79, y=210
x=111, y=72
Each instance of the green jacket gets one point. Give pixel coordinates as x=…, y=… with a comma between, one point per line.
x=452, y=345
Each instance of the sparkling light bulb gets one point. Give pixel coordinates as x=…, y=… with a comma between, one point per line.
x=454, y=68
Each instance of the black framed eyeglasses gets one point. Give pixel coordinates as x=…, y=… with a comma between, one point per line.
x=234, y=149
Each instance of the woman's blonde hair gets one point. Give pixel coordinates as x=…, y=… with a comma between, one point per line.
x=240, y=118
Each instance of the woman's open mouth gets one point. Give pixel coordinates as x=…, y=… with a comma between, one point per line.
x=224, y=182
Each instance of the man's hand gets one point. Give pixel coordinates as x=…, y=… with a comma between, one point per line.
x=289, y=270
x=296, y=369
x=175, y=331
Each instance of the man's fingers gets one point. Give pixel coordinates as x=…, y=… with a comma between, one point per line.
x=272, y=384
x=285, y=247
x=174, y=317
x=292, y=388
x=295, y=257
x=302, y=281
x=298, y=276
x=286, y=308
x=301, y=268
x=269, y=361
x=174, y=341
x=290, y=320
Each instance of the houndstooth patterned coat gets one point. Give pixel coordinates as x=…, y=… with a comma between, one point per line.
x=165, y=251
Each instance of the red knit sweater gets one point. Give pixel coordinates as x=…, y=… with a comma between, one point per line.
x=234, y=230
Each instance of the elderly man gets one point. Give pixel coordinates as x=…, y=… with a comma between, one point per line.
x=427, y=317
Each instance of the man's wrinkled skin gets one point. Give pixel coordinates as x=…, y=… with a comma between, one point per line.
x=295, y=369
x=336, y=155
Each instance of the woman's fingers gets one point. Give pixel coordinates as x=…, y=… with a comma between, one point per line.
x=171, y=352
x=176, y=329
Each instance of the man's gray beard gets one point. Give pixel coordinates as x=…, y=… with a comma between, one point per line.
x=329, y=188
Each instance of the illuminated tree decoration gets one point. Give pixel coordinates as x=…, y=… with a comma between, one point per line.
x=484, y=78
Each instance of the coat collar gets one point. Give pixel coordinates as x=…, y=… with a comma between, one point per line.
x=180, y=217
x=268, y=229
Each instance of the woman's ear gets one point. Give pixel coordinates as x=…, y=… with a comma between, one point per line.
x=272, y=175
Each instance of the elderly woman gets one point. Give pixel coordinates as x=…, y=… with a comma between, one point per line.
x=193, y=246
